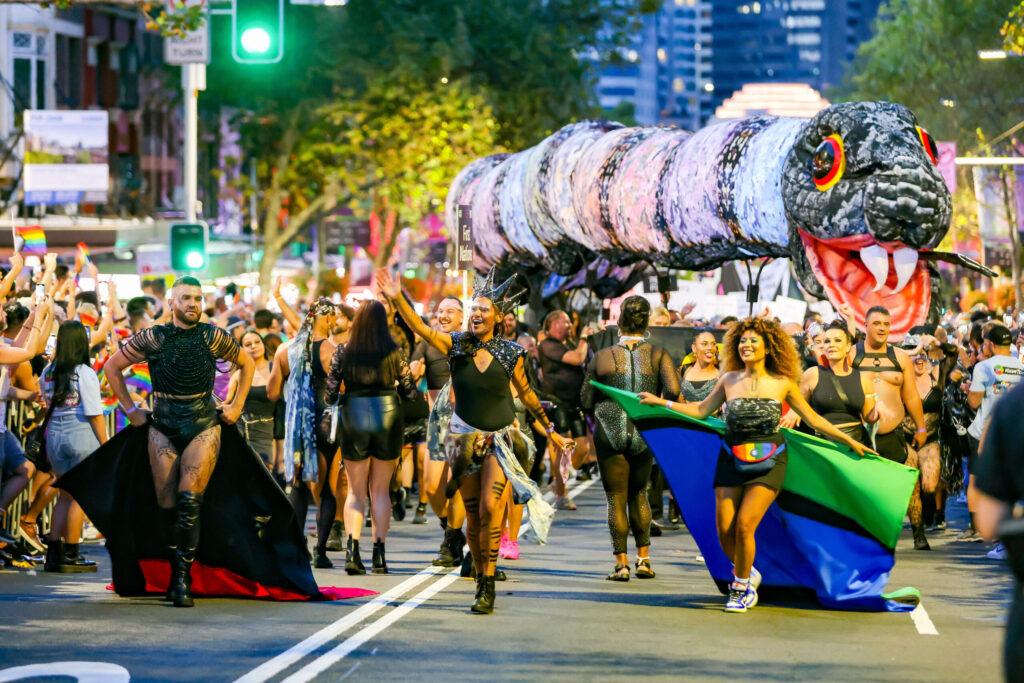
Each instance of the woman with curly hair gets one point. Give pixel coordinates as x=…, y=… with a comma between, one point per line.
x=761, y=368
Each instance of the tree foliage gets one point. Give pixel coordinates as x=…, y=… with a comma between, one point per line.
x=531, y=59
x=1013, y=31
x=924, y=54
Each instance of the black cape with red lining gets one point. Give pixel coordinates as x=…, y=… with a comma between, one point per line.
x=249, y=546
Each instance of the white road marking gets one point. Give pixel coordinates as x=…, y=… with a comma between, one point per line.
x=922, y=621
x=326, y=661
x=350, y=671
x=284, y=660
x=82, y=672
x=326, y=634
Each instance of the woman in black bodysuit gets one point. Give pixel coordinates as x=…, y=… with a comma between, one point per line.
x=482, y=365
x=371, y=424
x=623, y=457
x=836, y=390
x=761, y=370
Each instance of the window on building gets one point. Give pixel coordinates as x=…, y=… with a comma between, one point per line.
x=30, y=84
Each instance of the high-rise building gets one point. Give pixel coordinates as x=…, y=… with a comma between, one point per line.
x=786, y=41
x=693, y=54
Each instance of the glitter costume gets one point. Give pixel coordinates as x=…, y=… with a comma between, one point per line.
x=622, y=454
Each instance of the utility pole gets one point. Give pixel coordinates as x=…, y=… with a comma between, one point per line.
x=193, y=79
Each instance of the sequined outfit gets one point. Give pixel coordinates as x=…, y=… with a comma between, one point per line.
x=622, y=455
x=750, y=420
x=696, y=391
x=182, y=362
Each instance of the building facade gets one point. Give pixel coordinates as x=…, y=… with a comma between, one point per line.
x=96, y=57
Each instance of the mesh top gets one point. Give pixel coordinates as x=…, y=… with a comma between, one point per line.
x=644, y=368
x=182, y=361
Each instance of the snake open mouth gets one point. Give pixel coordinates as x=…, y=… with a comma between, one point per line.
x=859, y=271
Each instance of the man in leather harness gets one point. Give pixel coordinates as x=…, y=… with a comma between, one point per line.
x=895, y=395
x=184, y=436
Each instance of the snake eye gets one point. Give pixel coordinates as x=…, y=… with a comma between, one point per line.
x=929, y=144
x=828, y=163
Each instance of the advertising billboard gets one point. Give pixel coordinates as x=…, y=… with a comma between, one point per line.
x=66, y=157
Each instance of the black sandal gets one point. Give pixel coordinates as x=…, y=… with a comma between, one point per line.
x=621, y=573
x=643, y=568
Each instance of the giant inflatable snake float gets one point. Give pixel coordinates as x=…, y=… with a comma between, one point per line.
x=852, y=196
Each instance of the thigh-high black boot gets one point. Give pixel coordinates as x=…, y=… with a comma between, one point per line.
x=189, y=505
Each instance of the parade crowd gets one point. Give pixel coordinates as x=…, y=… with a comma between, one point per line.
x=374, y=415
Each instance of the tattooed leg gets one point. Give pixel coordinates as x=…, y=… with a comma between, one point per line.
x=163, y=461
x=199, y=459
x=492, y=483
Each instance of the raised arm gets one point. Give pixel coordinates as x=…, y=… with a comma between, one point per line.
x=587, y=392
x=391, y=289
x=289, y=313
x=7, y=284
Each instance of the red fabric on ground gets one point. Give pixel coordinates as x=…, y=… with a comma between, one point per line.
x=214, y=581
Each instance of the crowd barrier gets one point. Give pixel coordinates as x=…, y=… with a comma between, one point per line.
x=17, y=412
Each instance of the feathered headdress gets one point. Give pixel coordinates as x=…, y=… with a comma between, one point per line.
x=484, y=288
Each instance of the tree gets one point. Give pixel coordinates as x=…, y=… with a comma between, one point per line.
x=531, y=59
x=925, y=55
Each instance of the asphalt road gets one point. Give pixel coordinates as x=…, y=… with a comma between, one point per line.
x=556, y=619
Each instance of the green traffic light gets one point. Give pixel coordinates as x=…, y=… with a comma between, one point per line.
x=194, y=260
x=255, y=40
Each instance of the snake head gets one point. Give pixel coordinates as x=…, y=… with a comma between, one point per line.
x=863, y=198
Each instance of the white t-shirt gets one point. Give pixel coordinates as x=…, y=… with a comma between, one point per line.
x=83, y=396
x=995, y=376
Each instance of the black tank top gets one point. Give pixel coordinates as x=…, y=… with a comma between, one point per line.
x=751, y=419
x=257, y=405
x=825, y=400
x=482, y=399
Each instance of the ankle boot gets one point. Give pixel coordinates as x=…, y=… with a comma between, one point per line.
x=920, y=540
x=468, y=567
x=353, y=563
x=55, y=559
x=74, y=562
x=335, y=541
x=187, y=538
x=484, y=603
x=444, y=555
x=456, y=541
x=379, y=565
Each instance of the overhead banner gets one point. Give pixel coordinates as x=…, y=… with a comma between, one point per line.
x=66, y=157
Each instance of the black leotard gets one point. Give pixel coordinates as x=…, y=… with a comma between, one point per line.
x=483, y=399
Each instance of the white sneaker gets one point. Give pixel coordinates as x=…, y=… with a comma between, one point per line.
x=755, y=578
x=998, y=552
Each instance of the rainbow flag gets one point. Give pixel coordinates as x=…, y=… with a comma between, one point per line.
x=87, y=320
x=33, y=239
x=139, y=380
x=82, y=257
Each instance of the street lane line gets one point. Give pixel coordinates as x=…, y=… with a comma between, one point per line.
x=329, y=659
x=290, y=656
x=318, y=639
x=326, y=661
x=922, y=621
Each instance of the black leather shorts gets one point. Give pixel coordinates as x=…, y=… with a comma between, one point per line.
x=372, y=426
x=568, y=420
x=182, y=420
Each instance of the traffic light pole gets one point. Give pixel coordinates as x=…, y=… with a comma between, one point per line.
x=193, y=79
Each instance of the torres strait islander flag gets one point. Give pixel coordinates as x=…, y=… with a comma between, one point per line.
x=831, y=532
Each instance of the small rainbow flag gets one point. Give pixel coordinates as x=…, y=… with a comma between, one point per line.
x=139, y=379
x=33, y=239
x=87, y=320
x=82, y=257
